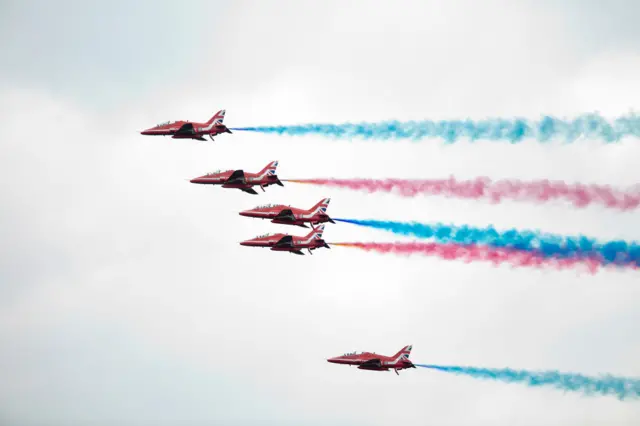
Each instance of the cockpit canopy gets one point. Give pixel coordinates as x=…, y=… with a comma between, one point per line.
x=166, y=123
x=268, y=206
x=264, y=206
x=264, y=235
x=214, y=172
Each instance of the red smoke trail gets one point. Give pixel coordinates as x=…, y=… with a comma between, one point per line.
x=538, y=191
x=472, y=253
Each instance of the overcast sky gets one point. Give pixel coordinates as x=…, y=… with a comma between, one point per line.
x=125, y=297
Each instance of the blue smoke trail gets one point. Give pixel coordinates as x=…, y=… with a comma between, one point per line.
x=513, y=130
x=550, y=245
x=621, y=387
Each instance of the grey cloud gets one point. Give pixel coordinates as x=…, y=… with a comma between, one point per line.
x=599, y=26
x=109, y=377
x=104, y=54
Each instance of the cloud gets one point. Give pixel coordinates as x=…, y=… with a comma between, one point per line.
x=104, y=56
x=103, y=232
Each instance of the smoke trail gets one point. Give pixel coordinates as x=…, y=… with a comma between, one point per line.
x=513, y=130
x=484, y=188
x=548, y=245
x=472, y=253
x=621, y=387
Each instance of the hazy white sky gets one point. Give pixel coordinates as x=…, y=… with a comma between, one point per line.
x=125, y=297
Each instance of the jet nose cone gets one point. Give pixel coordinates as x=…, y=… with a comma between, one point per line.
x=196, y=180
x=333, y=360
x=245, y=213
x=245, y=243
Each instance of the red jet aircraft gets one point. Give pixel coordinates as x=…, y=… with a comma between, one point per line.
x=375, y=362
x=241, y=180
x=287, y=215
x=290, y=243
x=190, y=130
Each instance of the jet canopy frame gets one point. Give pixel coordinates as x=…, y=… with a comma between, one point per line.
x=267, y=206
x=167, y=123
x=265, y=235
x=215, y=172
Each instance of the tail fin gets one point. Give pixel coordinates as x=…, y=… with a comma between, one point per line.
x=404, y=353
x=321, y=206
x=269, y=170
x=218, y=118
x=316, y=233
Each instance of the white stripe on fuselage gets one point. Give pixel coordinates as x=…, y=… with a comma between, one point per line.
x=166, y=129
x=313, y=213
x=209, y=127
x=319, y=234
x=259, y=177
x=395, y=361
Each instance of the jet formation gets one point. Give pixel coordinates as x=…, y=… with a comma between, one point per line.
x=281, y=214
x=246, y=182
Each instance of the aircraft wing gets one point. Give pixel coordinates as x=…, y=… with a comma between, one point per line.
x=249, y=191
x=286, y=214
x=236, y=177
x=186, y=128
x=286, y=241
x=372, y=363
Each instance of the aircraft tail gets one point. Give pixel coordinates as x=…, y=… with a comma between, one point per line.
x=269, y=170
x=321, y=206
x=321, y=209
x=218, y=118
x=403, y=353
x=316, y=233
